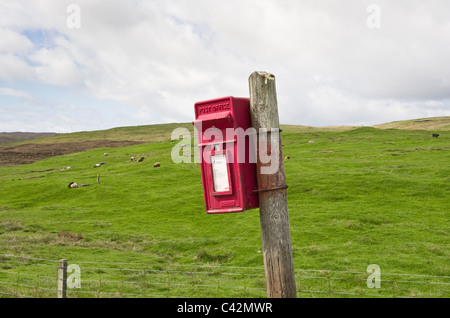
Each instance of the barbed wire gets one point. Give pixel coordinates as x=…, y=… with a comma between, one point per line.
x=183, y=278
x=199, y=265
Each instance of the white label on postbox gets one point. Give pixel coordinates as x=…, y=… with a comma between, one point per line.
x=220, y=173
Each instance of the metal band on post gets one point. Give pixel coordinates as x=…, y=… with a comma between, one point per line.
x=271, y=189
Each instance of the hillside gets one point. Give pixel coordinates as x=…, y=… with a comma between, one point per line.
x=10, y=137
x=356, y=197
x=43, y=146
x=29, y=151
x=431, y=123
x=142, y=134
x=162, y=132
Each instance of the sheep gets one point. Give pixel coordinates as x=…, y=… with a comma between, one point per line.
x=435, y=135
x=141, y=159
x=73, y=185
x=156, y=165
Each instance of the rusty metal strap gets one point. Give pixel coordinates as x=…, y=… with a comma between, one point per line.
x=271, y=189
x=268, y=130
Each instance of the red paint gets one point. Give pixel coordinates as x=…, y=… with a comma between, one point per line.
x=233, y=191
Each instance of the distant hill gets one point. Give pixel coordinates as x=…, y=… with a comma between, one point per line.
x=9, y=137
x=162, y=132
x=431, y=123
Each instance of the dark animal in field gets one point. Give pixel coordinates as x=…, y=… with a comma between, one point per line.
x=435, y=135
x=141, y=159
x=157, y=164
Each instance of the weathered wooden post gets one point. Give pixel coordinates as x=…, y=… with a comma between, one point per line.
x=274, y=216
x=62, y=278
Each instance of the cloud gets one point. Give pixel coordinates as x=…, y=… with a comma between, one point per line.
x=329, y=104
x=15, y=93
x=154, y=59
x=55, y=67
x=13, y=42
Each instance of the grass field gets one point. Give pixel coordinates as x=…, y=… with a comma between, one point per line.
x=357, y=196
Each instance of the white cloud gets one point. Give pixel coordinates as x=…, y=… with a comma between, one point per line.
x=14, y=68
x=15, y=93
x=13, y=42
x=157, y=58
x=56, y=67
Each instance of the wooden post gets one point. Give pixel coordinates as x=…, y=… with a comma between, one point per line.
x=98, y=179
x=62, y=278
x=274, y=216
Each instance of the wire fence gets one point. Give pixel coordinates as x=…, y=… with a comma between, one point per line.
x=38, y=278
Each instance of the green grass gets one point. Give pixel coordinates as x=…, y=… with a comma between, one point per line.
x=356, y=197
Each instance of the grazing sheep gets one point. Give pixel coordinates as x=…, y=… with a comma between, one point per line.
x=97, y=165
x=105, y=154
x=73, y=185
x=132, y=158
x=141, y=159
x=287, y=157
x=435, y=135
x=157, y=164
x=311, y=141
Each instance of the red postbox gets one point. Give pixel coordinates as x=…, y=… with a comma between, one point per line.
x=224, y=132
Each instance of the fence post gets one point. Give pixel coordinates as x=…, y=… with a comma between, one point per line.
x=62, y=278
x=274, y=215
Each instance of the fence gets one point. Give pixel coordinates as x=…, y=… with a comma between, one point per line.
x=43, y=278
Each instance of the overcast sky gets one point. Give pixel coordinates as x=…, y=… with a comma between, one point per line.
x=89, y=64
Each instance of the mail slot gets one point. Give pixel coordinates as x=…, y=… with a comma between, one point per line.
x=227, y=153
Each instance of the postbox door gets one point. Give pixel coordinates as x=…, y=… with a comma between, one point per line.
x=220, y=172
x=221, y=186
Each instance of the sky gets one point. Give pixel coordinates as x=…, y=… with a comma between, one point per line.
x=83, y=65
